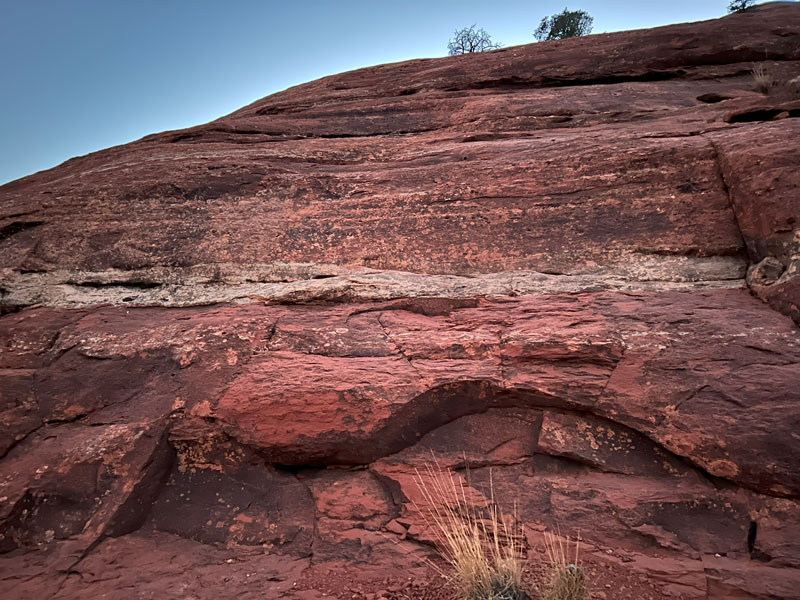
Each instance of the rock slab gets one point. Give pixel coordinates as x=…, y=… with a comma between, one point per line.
x=569, y=271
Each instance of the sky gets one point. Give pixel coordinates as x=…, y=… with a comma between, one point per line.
x=81, y=75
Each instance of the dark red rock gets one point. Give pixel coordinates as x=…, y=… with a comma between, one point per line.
x=567, y=271
x=762, y=179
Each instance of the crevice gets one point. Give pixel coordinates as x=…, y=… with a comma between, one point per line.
x=713, y=98
x=514, y=81
x=291, y=469
x=141, y=285
x=185, y=136
x=189, y=135
x=65, y=421
x=21, y=440
x=286, y=108
x=276, y=136
x=751, y=537
x=487, y=463
x=429, y=306
x=315, y=521
x=669, y=136
x=19, y=214
x=393, y=491
x=761, y=114
x=61, y=351
x=752, y=550
x=32, y=271
x=726, y=188
x=63, y=582
x=767, y=351
x=52, y=343
x=9, y=309
x=48, y=423
x=400, y=349
x=17, y=227
x=694, y=394
x=388, y=132
x=621, y=358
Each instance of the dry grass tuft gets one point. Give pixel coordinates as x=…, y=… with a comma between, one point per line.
x=763, y=82
x=481, y=543
x=565, y=579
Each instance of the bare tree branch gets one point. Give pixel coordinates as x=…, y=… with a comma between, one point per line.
x=471, y=39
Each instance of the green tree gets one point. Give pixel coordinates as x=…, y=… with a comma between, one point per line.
x=740, y=5
x=471, y=39
x=566, y=24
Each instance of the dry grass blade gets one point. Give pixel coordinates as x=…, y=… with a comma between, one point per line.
x=477, y=540
x=762, y=80
x=565, y=579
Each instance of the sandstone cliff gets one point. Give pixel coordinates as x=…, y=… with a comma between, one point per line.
x=224, y=350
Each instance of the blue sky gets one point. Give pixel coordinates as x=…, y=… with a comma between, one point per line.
x=81, y=75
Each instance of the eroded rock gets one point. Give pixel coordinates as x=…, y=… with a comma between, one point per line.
x=563, y=271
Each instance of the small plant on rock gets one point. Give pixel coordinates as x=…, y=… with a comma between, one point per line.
x=481, y=544
x=762, y=80
x=564, y=578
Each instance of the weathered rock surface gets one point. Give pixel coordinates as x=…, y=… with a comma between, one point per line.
x=570, y=267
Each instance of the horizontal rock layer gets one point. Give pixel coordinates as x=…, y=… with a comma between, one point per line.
x=569, y=269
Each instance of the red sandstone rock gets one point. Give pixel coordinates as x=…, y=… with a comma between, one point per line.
x=229, y=349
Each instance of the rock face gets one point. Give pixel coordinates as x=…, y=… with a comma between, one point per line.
x=571, y=267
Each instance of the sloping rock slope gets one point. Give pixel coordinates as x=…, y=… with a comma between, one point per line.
x=573, y=265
